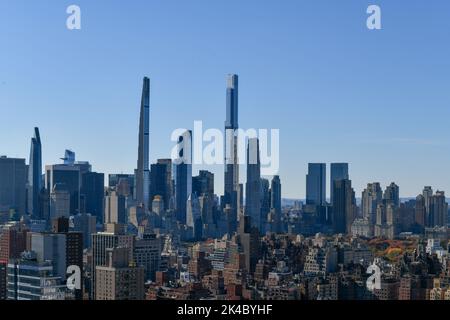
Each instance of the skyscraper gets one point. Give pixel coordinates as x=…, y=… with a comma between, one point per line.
x=142, y=171
x=231, y=188
x=119, y=278
x=343, y=205
x=253, y=185
x=147, y=254
x=194, y=217
x=371, y=197
x=183, y=175
x=248, y=240
x=438, y=210
x=275, y=204
x=203, y=183
x=13, y=185
x=265, y=204
x=59, y=201
x=93, y=191
x=70, y=177
x=35, y=175
x=338, y=171
x=427, y=194
x=392, y=194
x=103, y=241
x=316, y=184
x=161, y=181
x=115, y=211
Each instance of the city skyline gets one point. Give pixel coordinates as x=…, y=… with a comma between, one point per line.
x=232, y=111
x=323, y=40
x=199, y=152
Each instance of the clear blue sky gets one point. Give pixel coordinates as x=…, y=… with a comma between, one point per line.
x=379, y=100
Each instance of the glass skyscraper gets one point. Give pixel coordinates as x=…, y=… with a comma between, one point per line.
x=183, y=175
x=142, y=171
x=338, y=171
x=35, y=175
x=231, y=188
x=316, y=184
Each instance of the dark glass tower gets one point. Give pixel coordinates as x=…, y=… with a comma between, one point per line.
x=231, y=188
x=253, y=185
x=275, y=204
x=183, y=175
x=343, y=205
x=142, y=172
x=35, y=175
x=338, y=171
x=161, y=181
x=316, y=184
x=93, y=191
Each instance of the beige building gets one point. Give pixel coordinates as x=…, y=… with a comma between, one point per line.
x=120, y=279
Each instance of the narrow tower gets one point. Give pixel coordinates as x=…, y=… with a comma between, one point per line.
x=231, y=188
x=35, y=175
x=142, y=172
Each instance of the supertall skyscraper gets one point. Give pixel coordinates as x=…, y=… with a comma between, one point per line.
x=35, y=175
x=143, y=172
x=231, y=188
x=253, y=185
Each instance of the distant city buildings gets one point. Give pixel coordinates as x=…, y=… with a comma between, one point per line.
x=162, y=233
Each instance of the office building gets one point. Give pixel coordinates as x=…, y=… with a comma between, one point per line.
x=113, y=237
x=119, y=278
x=85, y=224
x=249, y=242
x=147, y=254
x=194, y=216
x=161, y=181
x=122, y=183
x=253, y=185
x=29, y=279
x=13, y=180
x=3, y=274
x=344, y=206
x=51, y=247
x=316, y=184
x=338, y=171
x=35, y=176
x=115, y=208
x=59, y=201
x=183, y=175
x=13, y=236
x=203, y=183
x=70, y=177
x=275, y=204
x=92, y=191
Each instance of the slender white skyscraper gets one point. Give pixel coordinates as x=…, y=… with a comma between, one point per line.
x=142, y=172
